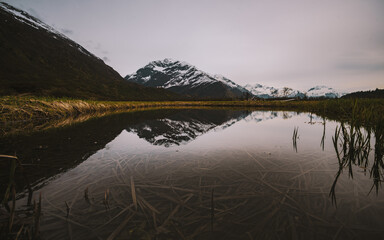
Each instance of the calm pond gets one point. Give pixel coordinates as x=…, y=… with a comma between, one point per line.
x=204, y=174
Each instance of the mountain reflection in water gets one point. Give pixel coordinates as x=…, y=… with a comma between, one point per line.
x=185, y=126
x=206, y=174
x=48, y=153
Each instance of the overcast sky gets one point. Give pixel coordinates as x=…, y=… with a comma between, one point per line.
x=296, y=43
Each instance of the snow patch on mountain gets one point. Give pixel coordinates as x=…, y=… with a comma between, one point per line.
x=159, y=69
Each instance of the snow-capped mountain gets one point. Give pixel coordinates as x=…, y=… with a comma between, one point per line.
x=184, y=78
x=262, y=91
x=323, y=91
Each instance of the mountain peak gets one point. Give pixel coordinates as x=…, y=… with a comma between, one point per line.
x=169, y=62
x=319, y=87
x=184, y=78
x=165, y=61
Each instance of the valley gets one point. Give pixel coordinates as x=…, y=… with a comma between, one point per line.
x=289, y=146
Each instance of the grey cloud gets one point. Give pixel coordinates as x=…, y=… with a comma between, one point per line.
x=105, y=59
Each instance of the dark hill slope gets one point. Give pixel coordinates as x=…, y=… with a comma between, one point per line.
x=378, y=93
x=36, y=59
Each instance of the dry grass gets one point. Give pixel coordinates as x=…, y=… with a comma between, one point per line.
x=32, y=108
x=16, y=222
x=19, y=114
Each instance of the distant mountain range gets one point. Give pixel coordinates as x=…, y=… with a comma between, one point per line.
x=184, y=78
x=36, y=59
x=262, y=91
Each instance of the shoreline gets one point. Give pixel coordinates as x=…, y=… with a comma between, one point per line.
x=25, y=110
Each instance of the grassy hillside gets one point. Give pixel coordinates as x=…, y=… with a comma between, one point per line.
x=40, y=62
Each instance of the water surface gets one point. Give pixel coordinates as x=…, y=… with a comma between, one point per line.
x=203, y=174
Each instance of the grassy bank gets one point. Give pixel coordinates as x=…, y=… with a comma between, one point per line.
x=31, y=109
x=363, y=111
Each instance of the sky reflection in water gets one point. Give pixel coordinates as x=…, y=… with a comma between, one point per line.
x=229, y=174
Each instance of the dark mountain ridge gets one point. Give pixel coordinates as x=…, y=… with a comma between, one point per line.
x=35, y=59
x=378, y=93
